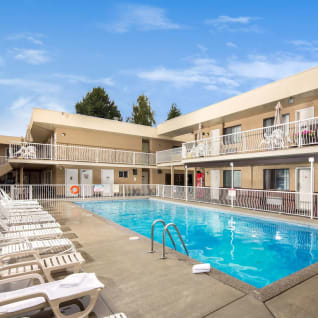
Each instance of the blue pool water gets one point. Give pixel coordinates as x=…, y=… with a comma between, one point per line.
x=254, y=250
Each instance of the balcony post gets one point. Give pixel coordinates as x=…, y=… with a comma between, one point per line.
x=172, y=180
x=186, y=182
x=312, y=186
x=232, y=182
x=54, y=137
x=134, y=158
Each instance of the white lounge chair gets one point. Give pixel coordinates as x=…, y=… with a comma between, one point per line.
x=29, y=219
x=44, y=266
x=32, y=234
x=50, y=295
x=40, y=246
x=28, y=227
x=119, y=315
x=5, y=197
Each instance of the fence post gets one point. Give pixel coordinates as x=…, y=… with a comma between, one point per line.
x=124, y=190
x=30, y=192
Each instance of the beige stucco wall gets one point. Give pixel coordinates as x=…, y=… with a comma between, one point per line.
x=92, y=138
x=59, y=174
x=256, y=121
x=252, y=176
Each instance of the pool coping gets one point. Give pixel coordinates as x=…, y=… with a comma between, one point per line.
x=263, y=294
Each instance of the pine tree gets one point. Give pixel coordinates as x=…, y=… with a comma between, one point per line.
x=97, y=103
x=173, y=112
x=142, y=113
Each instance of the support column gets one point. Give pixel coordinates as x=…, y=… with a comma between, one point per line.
x=195, y=183
x=172, y=175
x=186, y=181
x=21, y=184
x=232, y=183
x=312, y=185
x=21, y=176
x=172, y=181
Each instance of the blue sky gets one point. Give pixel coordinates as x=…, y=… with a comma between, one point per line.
x=192, y=53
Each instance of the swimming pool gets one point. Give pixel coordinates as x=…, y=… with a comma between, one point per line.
x=255, y=250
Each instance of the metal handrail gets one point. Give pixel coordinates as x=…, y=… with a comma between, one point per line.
x=164, y=239
x=152, y=232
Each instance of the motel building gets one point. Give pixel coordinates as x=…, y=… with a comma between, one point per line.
x=256, y=150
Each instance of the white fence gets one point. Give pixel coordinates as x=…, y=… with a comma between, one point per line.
x=37, y=151
x=288, y=135
x=170, y=155
x=77, y=191
x=292, y=203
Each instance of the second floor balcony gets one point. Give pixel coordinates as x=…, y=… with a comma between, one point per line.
x=60, y=152
x=277, y=137
x=297, y=134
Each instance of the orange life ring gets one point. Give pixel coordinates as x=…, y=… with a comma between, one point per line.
x=74, y=189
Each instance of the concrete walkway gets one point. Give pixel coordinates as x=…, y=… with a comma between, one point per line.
x=142, y=285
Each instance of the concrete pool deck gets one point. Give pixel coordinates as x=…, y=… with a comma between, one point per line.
x=142, y=285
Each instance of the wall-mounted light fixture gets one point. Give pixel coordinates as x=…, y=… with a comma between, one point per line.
x=291, y=100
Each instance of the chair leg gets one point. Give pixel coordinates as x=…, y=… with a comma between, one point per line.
x=55, y=306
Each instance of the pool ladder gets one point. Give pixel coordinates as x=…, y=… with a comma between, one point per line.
x=165, y=229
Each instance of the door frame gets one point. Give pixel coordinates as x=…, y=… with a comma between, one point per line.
x=296, y=186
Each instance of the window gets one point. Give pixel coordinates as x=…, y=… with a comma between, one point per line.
x=269, y=122
x=123, y=174
x=227, y=178
x=276, y=179
x=233, y=135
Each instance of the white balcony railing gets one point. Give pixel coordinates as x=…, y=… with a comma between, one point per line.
x=283, y=136
x=170, y=155
x=37, y=151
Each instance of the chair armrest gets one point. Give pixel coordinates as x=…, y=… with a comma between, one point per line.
x=26, y=263
x=23, y=277
x=33, y=253
x=24, y=297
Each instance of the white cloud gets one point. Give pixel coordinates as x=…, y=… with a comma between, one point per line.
x=202, y=71
x=31, y=56
x=30, y=85
x=141, y=18
x=311, y=46
x=20, y=102
x=270, y=68
x=234, y=24
x=232, y=76
x=203, y=49
x=108, y=81
x=34, y=38
x=231, y=44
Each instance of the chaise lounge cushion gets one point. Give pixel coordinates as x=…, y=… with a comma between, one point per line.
x=71, y=285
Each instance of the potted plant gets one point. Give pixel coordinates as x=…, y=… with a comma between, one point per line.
x=308, y=136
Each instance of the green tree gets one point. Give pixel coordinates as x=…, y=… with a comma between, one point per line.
x=173, y=112
x=142, y=113
x=97, y=103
